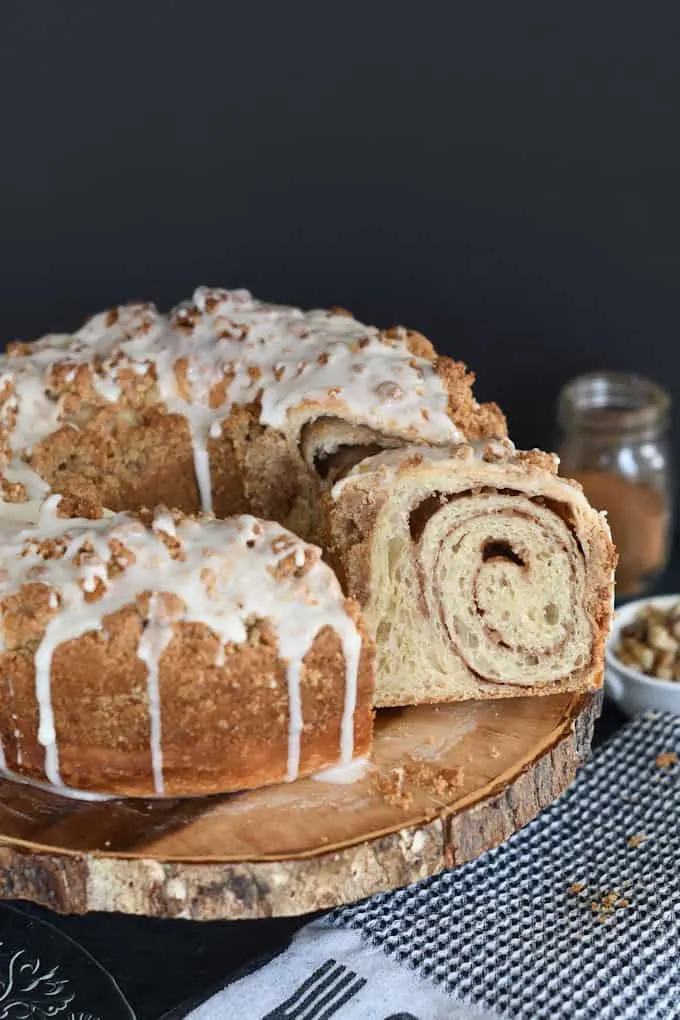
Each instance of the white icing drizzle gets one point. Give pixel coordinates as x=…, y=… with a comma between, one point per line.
x=299, y=365
x=224, y=574
x=16, y=732
x=153, y=642
x=352, y=647
x=293, y=669
x=345, y=774
x=62, y=791
x=202, y=468
x=43, y=695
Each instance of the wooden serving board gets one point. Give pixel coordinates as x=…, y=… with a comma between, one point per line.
x=472, y=774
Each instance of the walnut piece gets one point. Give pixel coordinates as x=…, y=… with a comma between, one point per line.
x=651, y=643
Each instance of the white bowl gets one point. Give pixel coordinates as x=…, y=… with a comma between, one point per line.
x=631, y=691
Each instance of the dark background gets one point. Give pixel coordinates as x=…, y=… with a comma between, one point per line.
x=502, y=176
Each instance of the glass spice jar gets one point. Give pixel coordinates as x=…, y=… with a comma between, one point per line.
x=614, y=441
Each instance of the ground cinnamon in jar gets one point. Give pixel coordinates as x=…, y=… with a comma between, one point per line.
x=638, y=517
x=615, y=442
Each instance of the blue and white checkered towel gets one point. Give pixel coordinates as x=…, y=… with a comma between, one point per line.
x=576, y=917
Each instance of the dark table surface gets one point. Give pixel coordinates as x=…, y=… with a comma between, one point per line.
x=163, y=966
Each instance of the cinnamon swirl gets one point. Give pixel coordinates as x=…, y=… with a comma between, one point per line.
x=481, y=573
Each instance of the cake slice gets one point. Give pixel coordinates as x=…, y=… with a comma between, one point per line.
x=480, y=572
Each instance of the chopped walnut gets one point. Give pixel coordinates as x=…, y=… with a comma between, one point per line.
x=85, y=554
x=79, y=504
x=121, y=556
x=261, y=632
x=13, y=492
x=227, y=330
x=296, y=564
x=651, y=642
x=494, y=451
x=186, y=318
x=47, y=548
x=283, y=542
x=533, y=458
x=388, y=391
x=93, y=589
x=172, y=544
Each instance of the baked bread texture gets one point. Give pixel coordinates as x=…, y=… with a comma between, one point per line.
x=158, y=654
x=227, y=404
x=480, y=572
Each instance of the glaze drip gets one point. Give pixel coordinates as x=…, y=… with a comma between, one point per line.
x=176, y=569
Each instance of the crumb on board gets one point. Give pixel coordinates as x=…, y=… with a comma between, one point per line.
x=438, y=782
x=666, y=759
x=576, y=887
x=390, y=786
x=637, y=839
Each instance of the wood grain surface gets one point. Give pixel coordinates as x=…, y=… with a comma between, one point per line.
x=446, y=783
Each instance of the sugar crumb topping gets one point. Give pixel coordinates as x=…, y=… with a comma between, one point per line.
x=221, y=349
x=225, y=574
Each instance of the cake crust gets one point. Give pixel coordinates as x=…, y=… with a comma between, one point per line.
x=203, y=656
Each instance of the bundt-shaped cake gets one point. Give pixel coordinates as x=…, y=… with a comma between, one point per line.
x=166, y=654
x=159, y=654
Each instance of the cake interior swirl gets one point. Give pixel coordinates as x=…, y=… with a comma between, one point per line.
x=481, y=572
x=169, y=487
